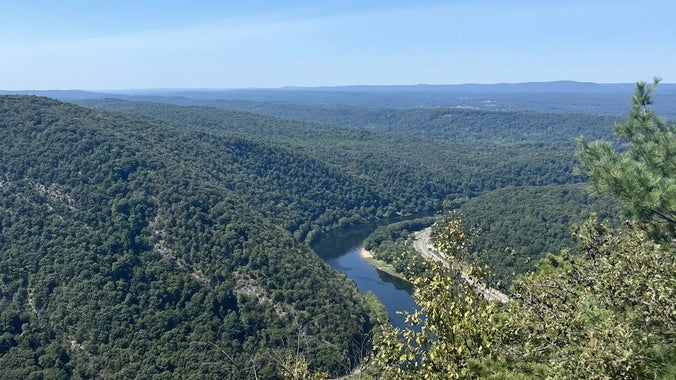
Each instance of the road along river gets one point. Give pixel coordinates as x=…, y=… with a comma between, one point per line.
x=341, y=250
x=422, y=245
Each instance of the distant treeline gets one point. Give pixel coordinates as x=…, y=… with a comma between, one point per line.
x=455, y=124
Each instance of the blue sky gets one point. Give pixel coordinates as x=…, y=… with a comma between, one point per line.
x=226, y=44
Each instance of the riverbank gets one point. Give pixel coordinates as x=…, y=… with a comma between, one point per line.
x=381, y=265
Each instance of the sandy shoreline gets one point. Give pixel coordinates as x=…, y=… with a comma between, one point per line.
x=380, y=265
x=365, y=253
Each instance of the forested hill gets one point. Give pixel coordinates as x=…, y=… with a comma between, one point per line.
x=519, y=225
x=455, y=124
x=132, y=249
x=159, y=239
x=460, y=125
x=408, y=169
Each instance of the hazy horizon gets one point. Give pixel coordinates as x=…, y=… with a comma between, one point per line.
x=293, y=87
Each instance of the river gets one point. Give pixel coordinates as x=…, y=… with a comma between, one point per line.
x=340, y=249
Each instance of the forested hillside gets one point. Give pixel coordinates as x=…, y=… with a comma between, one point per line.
x=455, y=124
x=168, y=240
x=513, y=228
x=520, y=155
x=519, y=225
x=134, y=250
x=403, y=166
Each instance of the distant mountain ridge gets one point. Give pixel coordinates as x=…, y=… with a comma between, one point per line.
x=557, y=97
x=522, y=87
x=547, y=86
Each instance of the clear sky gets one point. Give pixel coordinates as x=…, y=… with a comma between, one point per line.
x=123, y=44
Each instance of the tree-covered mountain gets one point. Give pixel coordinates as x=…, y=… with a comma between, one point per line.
x=603, y=309
x=478, y=171
x=454, y=124
x=400, y=165
x=132, y=249
x=163, y=240
x=529, y=172
x=519, y=225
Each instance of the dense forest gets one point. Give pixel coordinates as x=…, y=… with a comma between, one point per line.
x=143, y=239
x=519, y=225
x=514, y=228
x=398, y=164
x=454, y=124
x=133, y=250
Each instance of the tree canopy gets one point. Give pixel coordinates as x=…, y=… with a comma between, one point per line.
x=132, y=249
x=642, y=171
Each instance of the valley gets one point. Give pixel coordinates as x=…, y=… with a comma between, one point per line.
x=145, y=238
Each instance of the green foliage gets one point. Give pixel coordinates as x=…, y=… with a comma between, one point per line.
x=519, y=225
x=642, y=173
x=434, y=122
x=130, y=249
x=296, y=368
x=452, y=327
x=606, y=310
x=171, y=242
x=451, y=237
x=392, y=244
x=376, y=309
x=598, y=312
x=412, y=174
x=395, y=231
x=189, y=223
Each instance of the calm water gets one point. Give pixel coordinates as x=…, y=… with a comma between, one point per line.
x=340, y=249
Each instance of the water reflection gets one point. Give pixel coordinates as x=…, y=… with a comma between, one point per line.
x=397, y=282
x=340, y=249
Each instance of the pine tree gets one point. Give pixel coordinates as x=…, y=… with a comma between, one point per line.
x=642, y=171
